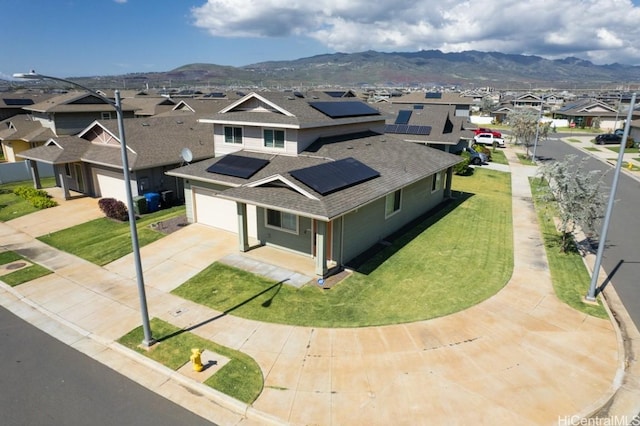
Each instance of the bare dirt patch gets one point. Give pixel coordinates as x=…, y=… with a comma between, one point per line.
x=170, y=225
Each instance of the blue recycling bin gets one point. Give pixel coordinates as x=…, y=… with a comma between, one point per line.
x=153, y=201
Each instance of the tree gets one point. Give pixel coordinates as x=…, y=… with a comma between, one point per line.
x=578, y=194
x=524, y=126
x=487, y=105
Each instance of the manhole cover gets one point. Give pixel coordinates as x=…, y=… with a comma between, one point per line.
x=16, y=265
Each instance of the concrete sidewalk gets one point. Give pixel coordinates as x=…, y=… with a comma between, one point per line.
x=521, y=356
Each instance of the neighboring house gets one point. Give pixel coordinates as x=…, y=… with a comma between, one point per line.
x=527, y=100
x=58, y=115
x=584, y=113
x=11, y=103
x=91, y=162
x=312, y=176
x=462, y=104
x=71, y=112
x=149, y=106
x=435, y=125
x=20, y=133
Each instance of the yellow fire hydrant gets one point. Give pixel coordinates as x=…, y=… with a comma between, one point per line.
x=196, y=360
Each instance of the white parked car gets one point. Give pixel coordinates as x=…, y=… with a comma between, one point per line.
x=488, y=139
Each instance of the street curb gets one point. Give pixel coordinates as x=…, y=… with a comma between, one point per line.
x=216, y=397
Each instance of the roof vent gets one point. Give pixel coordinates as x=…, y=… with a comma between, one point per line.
x=146, y=124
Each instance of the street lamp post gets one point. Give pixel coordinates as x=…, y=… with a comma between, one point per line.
x=148, y=339
x=591, y=295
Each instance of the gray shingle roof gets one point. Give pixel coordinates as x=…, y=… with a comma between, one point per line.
x=399, y=163
x=74, y=102
x=151, y=142
x=26, y=129
x=67, y=149
x=303, y=115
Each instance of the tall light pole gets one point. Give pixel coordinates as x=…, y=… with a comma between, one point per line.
x=148, y=340
x=591, y=295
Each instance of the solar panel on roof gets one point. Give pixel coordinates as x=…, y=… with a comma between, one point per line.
x=237, y=166
x=390, y=128
x=18, y=102
x=335, y=175
x=433, y=95
x=407, y=130
x=403, y=116
x=339, y=109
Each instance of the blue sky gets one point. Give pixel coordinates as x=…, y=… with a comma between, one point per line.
x=68, y=38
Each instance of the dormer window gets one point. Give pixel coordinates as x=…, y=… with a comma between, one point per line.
x=233, y=135
x=273, y=138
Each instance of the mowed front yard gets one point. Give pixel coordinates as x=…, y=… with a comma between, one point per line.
x=452, y=260
x=104, y=240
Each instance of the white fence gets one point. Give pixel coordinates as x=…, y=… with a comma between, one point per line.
x=19, y=171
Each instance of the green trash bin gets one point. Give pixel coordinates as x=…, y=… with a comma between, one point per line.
x=140, y=204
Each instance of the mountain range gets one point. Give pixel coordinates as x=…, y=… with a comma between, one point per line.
x=406, y=69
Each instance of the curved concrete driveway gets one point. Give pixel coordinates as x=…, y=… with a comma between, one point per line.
x=520, y=357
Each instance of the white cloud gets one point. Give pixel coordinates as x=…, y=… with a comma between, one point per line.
x=599, y=30
x=120, y=1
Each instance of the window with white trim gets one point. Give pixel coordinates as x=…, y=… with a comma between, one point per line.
x=392, y=203
x=233, y=135
x=281, y=220
x=436, y=182
x=105, y=115
x=273, y=138
x=67, y=169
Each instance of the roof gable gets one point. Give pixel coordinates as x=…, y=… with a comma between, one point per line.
x=255, y=103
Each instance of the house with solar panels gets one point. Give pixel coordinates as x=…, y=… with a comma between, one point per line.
x=312, y=176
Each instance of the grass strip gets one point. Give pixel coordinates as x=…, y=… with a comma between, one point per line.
x=569, y=274
x=241, y=378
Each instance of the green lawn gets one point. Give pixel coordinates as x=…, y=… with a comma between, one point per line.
x=241, y=378
x=104, y=240
x=456, y=258
x=626, y=150
x=22, y=275
x=570, y=276
x=13, y=206
x=525, y=160
x=498, y=157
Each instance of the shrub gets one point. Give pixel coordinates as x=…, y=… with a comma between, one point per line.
x=113, y=209
x=37, y=197
x=42, y=202
x=463, y=167
x=28, y=192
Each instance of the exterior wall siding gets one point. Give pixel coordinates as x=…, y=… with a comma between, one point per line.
x=300, y=242
x=368, y=225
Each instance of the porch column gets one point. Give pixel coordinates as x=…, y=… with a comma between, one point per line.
x=35, y=174
x=62, y=177
x=243, y=236
x=447, y=188
x=321, y=248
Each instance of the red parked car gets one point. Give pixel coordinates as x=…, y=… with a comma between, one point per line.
x=495, y=133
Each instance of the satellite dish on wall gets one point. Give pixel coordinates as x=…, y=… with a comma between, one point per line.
x=186, y=155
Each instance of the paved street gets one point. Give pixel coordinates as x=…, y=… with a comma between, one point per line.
x=622, y=253
x=46, y=382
